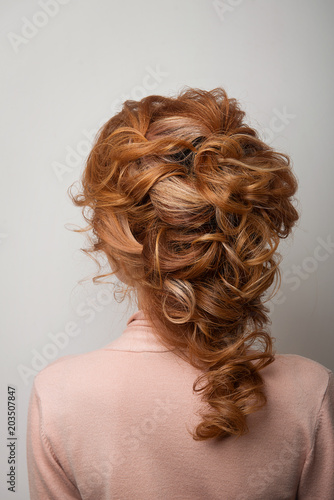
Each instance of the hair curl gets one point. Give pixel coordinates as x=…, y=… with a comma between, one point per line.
x=187, y=201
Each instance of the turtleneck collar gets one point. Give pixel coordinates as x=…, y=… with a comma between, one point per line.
x=138, y=318
x=138, y=336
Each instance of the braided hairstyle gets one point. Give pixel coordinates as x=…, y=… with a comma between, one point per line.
x=187, y=201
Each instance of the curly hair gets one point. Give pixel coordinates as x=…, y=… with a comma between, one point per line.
x=190, y=204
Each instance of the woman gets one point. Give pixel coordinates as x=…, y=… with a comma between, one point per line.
x=191, y=401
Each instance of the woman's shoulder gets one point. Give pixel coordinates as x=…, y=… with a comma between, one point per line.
x=75, y=375
x=300, y=368
x=298, y=382
x=286, y=369
x=68, y=363
x=294, y=367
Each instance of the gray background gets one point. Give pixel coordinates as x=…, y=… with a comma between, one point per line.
x=67, y=76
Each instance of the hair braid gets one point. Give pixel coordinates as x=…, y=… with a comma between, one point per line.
x=191, y=204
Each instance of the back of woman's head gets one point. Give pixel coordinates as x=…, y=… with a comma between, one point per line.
x=189, y=205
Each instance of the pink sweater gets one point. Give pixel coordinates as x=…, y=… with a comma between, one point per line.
x=112, y=424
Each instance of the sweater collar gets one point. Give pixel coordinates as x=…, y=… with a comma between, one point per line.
x=138, y=336
x=138, y=319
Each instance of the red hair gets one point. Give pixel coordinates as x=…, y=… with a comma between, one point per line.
x=188, y=202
